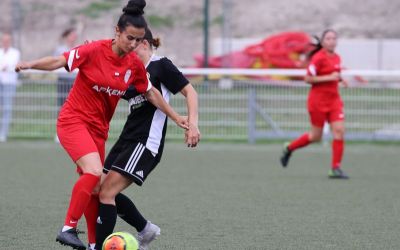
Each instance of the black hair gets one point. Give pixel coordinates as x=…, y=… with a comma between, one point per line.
x=133, y=15
x=154, y=42
x=67, y=32
x=318, y=46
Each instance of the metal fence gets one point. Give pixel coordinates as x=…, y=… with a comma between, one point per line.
x=233, y=107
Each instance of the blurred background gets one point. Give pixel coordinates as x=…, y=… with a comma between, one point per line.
x=261, y=34
x=246, y=60
x=37, y=24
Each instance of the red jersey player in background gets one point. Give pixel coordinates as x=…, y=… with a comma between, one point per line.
x=324, y=102
x=106, y=69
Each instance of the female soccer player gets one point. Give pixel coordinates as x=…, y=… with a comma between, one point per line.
x=140, y=145
x=324, y=102
x=106, y=69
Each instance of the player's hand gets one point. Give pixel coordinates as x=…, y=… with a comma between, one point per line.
x=22, y=66
x=182, y=121
x=344, y=83
x=192, y=136
x=336, y=76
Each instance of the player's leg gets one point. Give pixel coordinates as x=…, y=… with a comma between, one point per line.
x=338, y=131
x=338, y=143
x=91, y=168
x=8, y=98
x=81, y=198
x=317, y=120
x=113, y=184
x=336, y=119
x=126, y=209
x=134, y=162
x=2, y=112
x=91, y=212
x=80, y=145
x=122, y=154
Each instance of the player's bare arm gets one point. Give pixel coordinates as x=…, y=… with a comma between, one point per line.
x=192, y=135
x=45, y=63
x=154, y=96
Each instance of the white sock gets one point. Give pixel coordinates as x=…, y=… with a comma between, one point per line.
x=66, y=228
x=92, y=246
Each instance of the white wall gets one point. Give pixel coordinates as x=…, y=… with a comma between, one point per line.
x=391, y=54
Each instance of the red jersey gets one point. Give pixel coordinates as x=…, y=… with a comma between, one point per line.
x=324, y=63
x=102, y=79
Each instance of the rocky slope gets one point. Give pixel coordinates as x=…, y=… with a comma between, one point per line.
x=178, y=22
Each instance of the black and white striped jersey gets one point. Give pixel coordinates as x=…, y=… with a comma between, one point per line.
x=146, y=124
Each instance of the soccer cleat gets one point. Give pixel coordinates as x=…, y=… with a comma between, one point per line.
x=147, y=235
x=337, y=174
x=286, y=153
x=70, y=238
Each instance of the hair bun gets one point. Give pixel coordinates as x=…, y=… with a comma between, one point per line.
x=134, y=7
x=156, y=42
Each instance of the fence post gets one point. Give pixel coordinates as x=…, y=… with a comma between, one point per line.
x=251, y=116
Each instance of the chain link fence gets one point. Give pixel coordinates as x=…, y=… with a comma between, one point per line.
x=231, y=108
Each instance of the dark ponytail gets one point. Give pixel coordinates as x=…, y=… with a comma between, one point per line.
x=154, y=42
x=67, y=32
x=133, y=15
x=318, y=46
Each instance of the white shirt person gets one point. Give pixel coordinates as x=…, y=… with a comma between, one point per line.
x=9, y=57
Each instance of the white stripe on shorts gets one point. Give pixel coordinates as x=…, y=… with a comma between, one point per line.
x=133, y=155
x=130, y=166
x=134, y=163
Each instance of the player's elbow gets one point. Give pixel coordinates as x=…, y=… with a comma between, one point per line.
x=308, y=79
x=153, y=96
x=188, y=90
x=59, y=62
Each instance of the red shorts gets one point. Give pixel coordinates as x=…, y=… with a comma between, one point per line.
x=78, y=140
x=325, y=110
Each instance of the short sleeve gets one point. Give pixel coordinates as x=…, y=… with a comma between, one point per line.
x=130, y=93
x=141, y=80
x=314, y=66
x=78, y=56
x=171, y=77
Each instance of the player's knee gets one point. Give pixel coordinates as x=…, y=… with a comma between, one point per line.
x=338, y=136
x=105, y=196
x=96, y=171
x=315, y=137
x=338, y=133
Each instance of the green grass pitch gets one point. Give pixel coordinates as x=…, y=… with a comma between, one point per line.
x=219, y=196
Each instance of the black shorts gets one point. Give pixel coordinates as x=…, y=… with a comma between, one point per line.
x=131, y=159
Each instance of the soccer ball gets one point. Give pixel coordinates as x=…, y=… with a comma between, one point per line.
x=120, y=241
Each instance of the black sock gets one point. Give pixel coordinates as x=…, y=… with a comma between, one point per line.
x=105, y=223
x=128, y=212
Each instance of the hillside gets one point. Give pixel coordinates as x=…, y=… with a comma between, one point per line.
x=179, y=23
